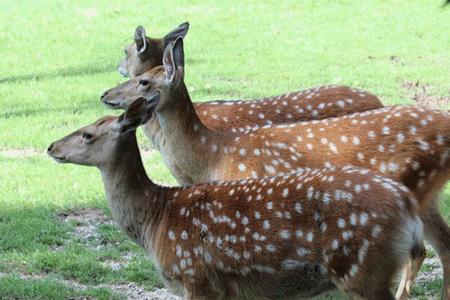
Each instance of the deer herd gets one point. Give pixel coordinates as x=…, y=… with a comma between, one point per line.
x=285, y=197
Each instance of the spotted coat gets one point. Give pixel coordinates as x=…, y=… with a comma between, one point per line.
x=293, y=235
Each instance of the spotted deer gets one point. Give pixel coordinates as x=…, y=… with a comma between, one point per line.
x=287, y=236
x=311, y=104
x=408, y=144
x=146, y=53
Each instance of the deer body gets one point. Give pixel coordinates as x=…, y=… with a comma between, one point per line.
x=281, y=237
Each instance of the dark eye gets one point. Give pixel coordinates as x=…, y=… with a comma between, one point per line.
x=144, y=82
x=125, y=51
x=87, y=136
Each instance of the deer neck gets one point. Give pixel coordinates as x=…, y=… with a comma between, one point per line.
x=135, y=201
x=184, y=143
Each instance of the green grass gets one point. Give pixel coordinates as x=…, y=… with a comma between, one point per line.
x=58, y=57
x=13, y=287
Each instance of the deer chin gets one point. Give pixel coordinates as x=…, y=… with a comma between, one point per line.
x=116, y=104
x=59, y=159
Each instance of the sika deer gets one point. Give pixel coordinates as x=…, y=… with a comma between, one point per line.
x=146, y=53
x=408, y=144
x=282, y=237
x=312, y=104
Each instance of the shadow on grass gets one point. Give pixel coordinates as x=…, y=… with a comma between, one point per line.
x=66, y=72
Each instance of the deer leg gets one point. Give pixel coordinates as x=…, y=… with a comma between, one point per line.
x=374, y=286
x=437, y=232
x=409, y=272
x=383, y=293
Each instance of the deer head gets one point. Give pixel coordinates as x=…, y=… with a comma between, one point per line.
x=168, y=79
x=121, y=96
x=146, y=53
x=94, y=144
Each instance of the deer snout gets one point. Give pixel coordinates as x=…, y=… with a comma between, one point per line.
x=49, y=148
x=103, y=95
x=54, y=152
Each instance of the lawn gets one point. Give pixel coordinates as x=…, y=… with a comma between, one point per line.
x=59, y=56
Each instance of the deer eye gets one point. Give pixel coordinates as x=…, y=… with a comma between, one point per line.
x=125, y=51
x=87, y=136
x=144, y=82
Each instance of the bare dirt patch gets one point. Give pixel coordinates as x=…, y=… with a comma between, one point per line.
x=21, y=153
x=421, y=93
x=87, y=230
x=86, y=223
x=434, y=272
x=134, y=292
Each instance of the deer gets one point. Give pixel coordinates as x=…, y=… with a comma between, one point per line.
x=311, y=104
x=287, y=236
x=408, y=144
x=146, y=52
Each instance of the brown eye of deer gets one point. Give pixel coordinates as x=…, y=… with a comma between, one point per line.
x=87, y=136
x=144, y=82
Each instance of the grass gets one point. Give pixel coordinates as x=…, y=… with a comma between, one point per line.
x=13, y=287
x=58, y=57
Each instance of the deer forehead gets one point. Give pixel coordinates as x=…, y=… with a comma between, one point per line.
x=155, y=75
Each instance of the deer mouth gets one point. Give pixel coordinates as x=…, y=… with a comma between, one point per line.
x=58, y=159
x=113, y=105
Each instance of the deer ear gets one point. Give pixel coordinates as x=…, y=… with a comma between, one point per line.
x=133, y=117
x=169, y=64
x=140, y=40
x=181, y=30
x=178, y=53
x=173, y=61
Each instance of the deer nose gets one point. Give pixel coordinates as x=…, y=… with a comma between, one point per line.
x=49, y=148
x=103, y=95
